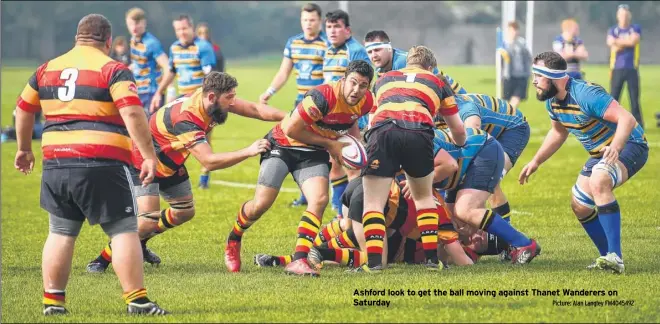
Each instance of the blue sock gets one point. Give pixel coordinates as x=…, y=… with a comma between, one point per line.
x=595, y=231
x=610, y=219
x=494, y=224
x=338, y=188
x=504, y=211
x=302, y=198
x=204, y=178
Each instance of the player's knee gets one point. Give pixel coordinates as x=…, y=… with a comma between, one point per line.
x=319, y=200
x=462, y=211
x=582, y=201
x=600, y=182
x=259, y=207
x=183, y=211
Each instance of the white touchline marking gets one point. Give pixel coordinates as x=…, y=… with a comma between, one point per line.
x=248, y=186
x=521, y=213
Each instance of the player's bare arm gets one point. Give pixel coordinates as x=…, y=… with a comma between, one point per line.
x=279, y=80
x=138, y=130
x=456, y=128
x=215, y=161
x=472, y=122
x=256, y=110
x=168, y=77
x=625, y=123
x=581, y=52
x=24, y=161
x=551, y=144
x=444, y=166
x=297, y=129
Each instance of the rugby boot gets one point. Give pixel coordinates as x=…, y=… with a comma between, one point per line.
x=300, y=267
x=611, y=262
x=233, y=256
x=265, y=260
x=525, y=254
x=150, y=308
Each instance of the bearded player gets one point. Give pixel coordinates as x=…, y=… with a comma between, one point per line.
x=614, y=140
x=180, y=129
x=302, y=145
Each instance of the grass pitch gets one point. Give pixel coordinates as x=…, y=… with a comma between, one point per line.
x=193, y=283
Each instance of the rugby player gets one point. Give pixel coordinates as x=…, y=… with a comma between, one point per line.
x=342, y=50
x=148, y=59
x=387, y=58
x=571, y=47
x=480, y=162
x=180, y=129
x=401, y=137
x=614, y=140
x=303, y=53
x=506, y=124
x=92, y=112
x=191, y=58
x=302, y=145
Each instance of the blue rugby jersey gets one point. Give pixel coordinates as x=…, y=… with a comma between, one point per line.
x=188, y=61
x=496, y=114
x=581, y=112
x=336, y=59
x=558, y=45
x=307, y=57
x=399, y=62
x=476, y=138
x=145, y=69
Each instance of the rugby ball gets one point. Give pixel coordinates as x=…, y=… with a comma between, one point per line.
x=354, y=155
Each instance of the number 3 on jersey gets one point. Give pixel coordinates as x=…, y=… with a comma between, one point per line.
x=68, y=91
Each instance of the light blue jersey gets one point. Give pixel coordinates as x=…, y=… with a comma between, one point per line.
x=307, y=57
x=581, y=112
x=496, y=114
x=145, y=69
x=191, y=63
x=476, y=138
x=336, y=59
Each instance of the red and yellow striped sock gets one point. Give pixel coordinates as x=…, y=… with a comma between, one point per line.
x=427, y=222
x=374, y=233
x=166, y=220
x=54, y=297
x=136, y=296
x=344, y=241
x=241, y=225
x=307, y=231
x=328, y=232
x=283, y=260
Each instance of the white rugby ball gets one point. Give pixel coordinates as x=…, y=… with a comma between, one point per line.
x=354, y=155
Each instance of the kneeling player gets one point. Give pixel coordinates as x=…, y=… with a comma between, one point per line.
x=482, y=162
x=180, y=129
x=302, y=145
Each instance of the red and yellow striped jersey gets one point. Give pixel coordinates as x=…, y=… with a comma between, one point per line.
x=176, y=127
x=411, y=96
x=81, y=93
x=326, y=113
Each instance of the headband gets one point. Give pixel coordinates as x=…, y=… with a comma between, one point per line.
x=548, y=73
x=375, y=45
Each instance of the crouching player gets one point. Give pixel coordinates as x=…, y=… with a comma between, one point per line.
x=180, y=129
x=302, y=145
x=615, y=141
x=481, y=162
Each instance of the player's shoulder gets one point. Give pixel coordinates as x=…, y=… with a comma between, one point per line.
x=298, y=37
x=202, y=43
x=636, y=27
x=559, y=38
x=354, y=45
x=399, y=59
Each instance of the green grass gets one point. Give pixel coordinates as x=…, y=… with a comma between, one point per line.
x=193, y=283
